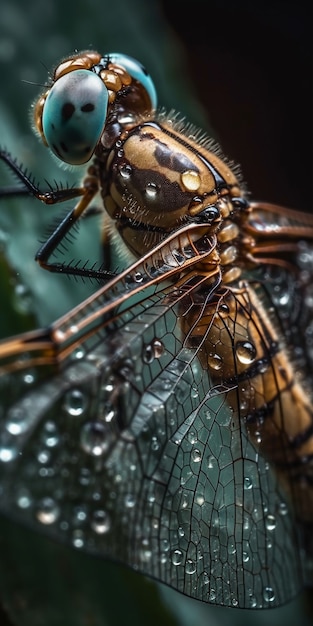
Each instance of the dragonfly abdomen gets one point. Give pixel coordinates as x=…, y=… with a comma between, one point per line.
x=239, y=346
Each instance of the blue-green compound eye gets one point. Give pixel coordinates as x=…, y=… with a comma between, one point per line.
x=74, y=116
x=137, y=71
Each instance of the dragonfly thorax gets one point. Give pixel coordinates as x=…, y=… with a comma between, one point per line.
x=154, y=181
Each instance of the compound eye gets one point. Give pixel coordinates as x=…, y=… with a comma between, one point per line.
x=74, y=116
x=137, y=71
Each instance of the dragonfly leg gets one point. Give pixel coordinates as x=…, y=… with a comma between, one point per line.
x=87, y=191
x=90, y=189
x=51, y=196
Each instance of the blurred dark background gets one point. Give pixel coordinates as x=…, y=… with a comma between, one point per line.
x=251, y=67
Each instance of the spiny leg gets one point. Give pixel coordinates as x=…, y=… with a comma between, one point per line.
x=87, y=191
x=51, y=196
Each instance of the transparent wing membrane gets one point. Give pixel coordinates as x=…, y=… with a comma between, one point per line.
x=130, y=452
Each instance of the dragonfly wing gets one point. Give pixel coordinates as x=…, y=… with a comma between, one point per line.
x=129, y=451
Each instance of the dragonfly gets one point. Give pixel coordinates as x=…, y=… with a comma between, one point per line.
x=165, y=422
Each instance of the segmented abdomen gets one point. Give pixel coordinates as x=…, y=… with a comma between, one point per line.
x=240, y=347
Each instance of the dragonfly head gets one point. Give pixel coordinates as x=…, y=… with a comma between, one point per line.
x=72, y=114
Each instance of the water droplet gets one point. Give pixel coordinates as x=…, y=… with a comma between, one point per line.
x=108, y=388
x=146, y=555
x=190, y=566
x=125, y=171
x=78, y=354
x=191, y=180
x=282, y=508
x=212, y=462
x=247, y=483
x=78, y=539
x=212, y=595
x=130, y=501
x=192, y=437
x=188, y=473
x=194, y=392
x=51, y=437
x=43, y=456
x=109, y=413
x=18, y=422
x=284, y=298
x=154, y=444
x=47, y=511
x=252, y=602
x=245, y=352
x=185, y=501
x=73, y=329
x=177, y=557
x=100, y=522
x=223, y=310
x=50, y=427
x=245, y=557
x=148, y=356
x=177, y=440
x=45, y=472
x=52, y=441
x=153, y=350
x=231, y=548
x=215, y=361
x=270, y=522
x=196, y=455
x=94, y=438
x=7, y=454
x=268, y=594
x=75, y=402
x=208, y=415
x=151, y=191
x=79, y=515
x=85, y=476
x=59, y=335
x=234, y=602
x=23, y=300
x=23, y=500
x=165, y=545
x=199, y=500
x=29, y=378
x=138, y=277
